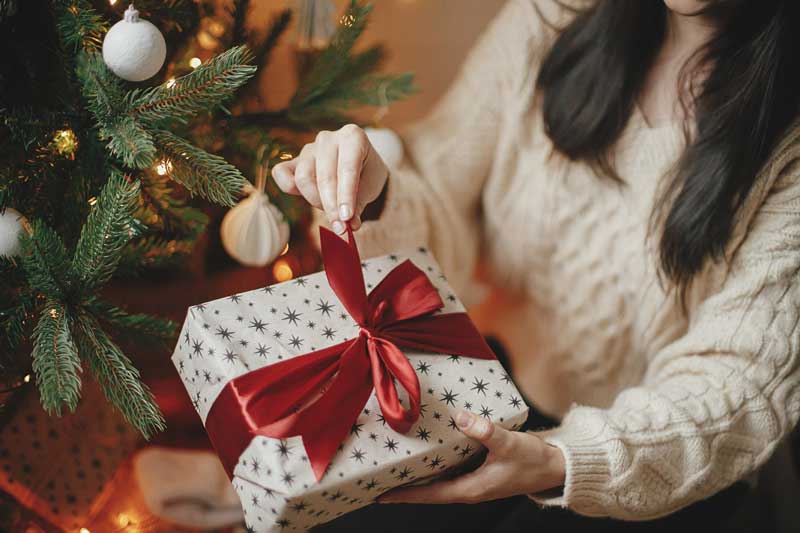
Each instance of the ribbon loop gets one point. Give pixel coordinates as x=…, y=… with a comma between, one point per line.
x=320, y=395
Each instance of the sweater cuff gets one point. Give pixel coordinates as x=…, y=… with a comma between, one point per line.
x=580, y=439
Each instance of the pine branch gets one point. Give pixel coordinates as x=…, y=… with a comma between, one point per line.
x=155, y=330
x=130, y=142
x=202, y=90
x=79, y=25
x=201, y=173
x=55, y=359
x=45, y=261
x=238, y=12
x=165, y=213
x=108, y=229
x=118, y=378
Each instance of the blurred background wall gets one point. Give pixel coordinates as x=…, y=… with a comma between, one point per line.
x=427, y=37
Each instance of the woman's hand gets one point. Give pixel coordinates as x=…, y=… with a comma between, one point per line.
x=517, y=463
x=340, y=173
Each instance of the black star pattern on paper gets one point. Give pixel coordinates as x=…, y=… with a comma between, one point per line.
x=268, y=290
x=258, y=325
x=515, y=402
x=287, y=478
x=455, y=358
x=390, y=444
x=262, y=350
x=324, y=307
x=186, y=338
x=423, y=367
x=296, y=342
x=196, y=400
x=506, y=378
x=301, y=282
x=451, y=297
x=311, y=325
x=255, y=466
x=230, y=356
x=299, y=506
x=467, y=405
x=381, y=419
x=479, y=386
x=373, y=436
x=343, y=316
x=335, y=496
x=269, y=492
x=452, y=424
x=211, y=351
x=235, y=298
x=423, y=434
x=207, y=376
x=364, y=265
x=329, y=333
x=284, y=449
x=277, y=334
x=200, y=307
x=358, y=455
x=405, y=473
x=371, y=484
x=244, y=343
x=498, y=394
x=437, y=415
x=180, y=364
x=465, y=451
x=393, y=257
x=283, y=523
x=292, y=316
x=485, y=412
x=273, y=310
x=449, y=397
x=355, y=429
x=225, y=333
x=436, y=462
x=197, y=348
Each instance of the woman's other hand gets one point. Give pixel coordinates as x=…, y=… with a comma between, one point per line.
x=339, y=173
x=517, y=463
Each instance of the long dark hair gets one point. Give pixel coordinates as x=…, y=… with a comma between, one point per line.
x=750, y=94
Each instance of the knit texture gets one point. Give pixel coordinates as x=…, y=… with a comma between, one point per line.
x=660, y=409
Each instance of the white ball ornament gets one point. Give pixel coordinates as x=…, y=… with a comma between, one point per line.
x=133, y=48
x=388, y=145
x=255, y=232
x=11, y=227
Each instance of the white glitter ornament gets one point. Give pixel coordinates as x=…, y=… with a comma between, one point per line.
x=255, y=232
x=133, y=48
x=388, y=145
x=11, y=227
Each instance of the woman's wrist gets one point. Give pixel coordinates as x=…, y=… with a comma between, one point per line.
x=374, y=209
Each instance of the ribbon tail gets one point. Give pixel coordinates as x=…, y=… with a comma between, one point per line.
x=325, y=423
x=390, y=364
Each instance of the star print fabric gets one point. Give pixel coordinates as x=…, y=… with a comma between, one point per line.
x=232, y=336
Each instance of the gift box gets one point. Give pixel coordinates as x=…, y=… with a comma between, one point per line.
x=323, y=392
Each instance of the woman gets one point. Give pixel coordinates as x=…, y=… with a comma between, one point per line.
x=634, y=175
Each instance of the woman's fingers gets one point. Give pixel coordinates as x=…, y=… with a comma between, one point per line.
x=305, y=176
x=326, y=152
x=352, y=152
x=283, y=174
x=497, y=440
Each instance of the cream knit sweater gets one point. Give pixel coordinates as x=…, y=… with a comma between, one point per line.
x=659, y=410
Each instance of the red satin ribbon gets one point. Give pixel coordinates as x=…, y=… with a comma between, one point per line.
x=320, y=395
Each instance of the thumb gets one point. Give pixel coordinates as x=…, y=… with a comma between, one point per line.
x=492, y=436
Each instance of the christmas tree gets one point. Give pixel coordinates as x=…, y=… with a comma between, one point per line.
x=100, y=176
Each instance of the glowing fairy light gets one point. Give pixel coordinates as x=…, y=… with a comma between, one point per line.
x=163, y=167
x=27, y=378
x=282, y=271
x=195, y=62
x=65, y=142
x=170, y=83
x=285, y=249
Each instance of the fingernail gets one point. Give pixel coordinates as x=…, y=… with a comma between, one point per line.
x=338, y=227
x=345, y=212
x=464, y=419
x=355, y=223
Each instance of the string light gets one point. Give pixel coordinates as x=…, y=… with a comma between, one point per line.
x=285, y=156
x=282, y=271
x=347, y=20
x=123, y=520
x=84, y=530
x=27, y=378
x=170, y=83
x=65, y=142
x=163, y=167
x=195, y=62
x=112, y=2
x=93, y=200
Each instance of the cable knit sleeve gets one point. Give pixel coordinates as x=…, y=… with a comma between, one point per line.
x=433, y=196
x=714, y=403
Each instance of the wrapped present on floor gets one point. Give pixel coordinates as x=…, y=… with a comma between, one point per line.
x=323, y=392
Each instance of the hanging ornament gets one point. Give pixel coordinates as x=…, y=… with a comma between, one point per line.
x=11, y=227
x=255, y=232
x=133, y=48
x=385, y=141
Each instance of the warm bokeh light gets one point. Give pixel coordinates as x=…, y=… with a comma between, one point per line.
x=92, y=200
x=163, y=167
x=27, y=378
x=285, y=249
x=282, y=271
x=285, y=156
x=65, y=142
x=170, y=83
x=84, y=530
x=123, y=520
x=195, y=62
x=112, y=2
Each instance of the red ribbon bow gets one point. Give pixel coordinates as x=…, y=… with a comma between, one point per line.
x=320, y=395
